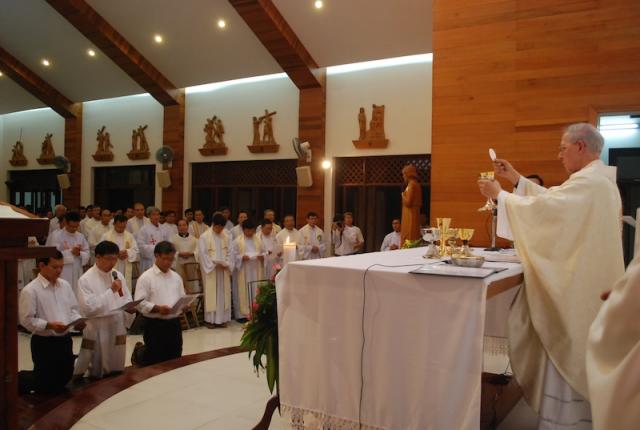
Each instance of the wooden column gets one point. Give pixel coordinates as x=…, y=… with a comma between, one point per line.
x=13, y=238
x=311, y=127
x=73, y=151
x=173, y=137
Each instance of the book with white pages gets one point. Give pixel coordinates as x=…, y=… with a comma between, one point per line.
x=252, y=255
x=183, y=302
x=129, y=306
x=442, y=269
x=73, y=323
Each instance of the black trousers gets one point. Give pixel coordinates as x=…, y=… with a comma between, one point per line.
x=163, y=340
x=53, y=362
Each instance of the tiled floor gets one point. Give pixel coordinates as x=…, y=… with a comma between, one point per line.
x=222, y=393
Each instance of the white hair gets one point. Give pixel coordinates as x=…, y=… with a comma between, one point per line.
x=152, y=209
x=62, y=207
x=586, y=133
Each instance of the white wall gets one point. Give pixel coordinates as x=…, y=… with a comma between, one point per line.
x=35, y=124
x=236, y=104
x=405, y=90
x=120, y=115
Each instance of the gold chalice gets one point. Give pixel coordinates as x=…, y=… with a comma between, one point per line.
x=443, y=226
x=465, y=235
x=489, y=205
x=452, y=238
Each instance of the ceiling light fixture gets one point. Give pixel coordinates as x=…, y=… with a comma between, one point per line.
x=91, y=53
x=318, y=4
x=45, y=62
x=222, y=23
x=157, y=38
x=0, y=74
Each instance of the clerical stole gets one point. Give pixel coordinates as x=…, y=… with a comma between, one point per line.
x=252, y=265
x=211, y=278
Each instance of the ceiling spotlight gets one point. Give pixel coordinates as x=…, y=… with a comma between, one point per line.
x=157, y=38
x=326, y=164
x=45, y=62
x=318, y=4
x=91, y=53
x=222, y=23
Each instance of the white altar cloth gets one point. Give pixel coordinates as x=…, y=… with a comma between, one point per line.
x=422, y=353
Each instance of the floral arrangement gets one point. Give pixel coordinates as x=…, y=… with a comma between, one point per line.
x=260, y=335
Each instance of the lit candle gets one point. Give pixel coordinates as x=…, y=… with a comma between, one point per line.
x=289, y=252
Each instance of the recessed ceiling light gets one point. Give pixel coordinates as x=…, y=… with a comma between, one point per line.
x=45, y=62
x=91, y=53
x=318, y=4
x=157, y=38
x=222, y=23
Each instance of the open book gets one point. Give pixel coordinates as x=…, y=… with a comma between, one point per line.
x=183, y=302
x=129, y=306
x=73, y=323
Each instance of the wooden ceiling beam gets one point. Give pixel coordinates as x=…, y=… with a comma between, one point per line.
x=35, y=85
x=264, y=19
x=114, y=45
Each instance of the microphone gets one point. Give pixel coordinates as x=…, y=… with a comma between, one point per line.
x=115, y=277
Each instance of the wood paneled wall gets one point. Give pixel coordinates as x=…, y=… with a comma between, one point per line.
x=173, y=137
x=511, y=74
x=73, y=152
x=311, y=127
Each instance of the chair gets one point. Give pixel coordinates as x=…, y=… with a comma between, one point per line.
x=193, y=285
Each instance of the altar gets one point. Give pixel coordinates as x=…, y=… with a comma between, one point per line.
x=366, y=344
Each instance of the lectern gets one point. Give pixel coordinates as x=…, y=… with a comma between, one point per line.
x=16, y=226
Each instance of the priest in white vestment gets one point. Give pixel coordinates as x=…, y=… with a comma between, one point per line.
x=270, y=215
x=56, y=223
x=569, y=240
x=288, y=234
x=101, y=291
x=267, y=236
x=92, y=219
x=216, y=265
x=226, y=212
x=186, y=249
x=613, y=355
x=236, y=231
x=169, y=225
x=98, y=230
x=127, y=245
x=392, y=241
x=74, y=248
x=248, y=259
x=148, y=237
x=313, y=241
x=197, y=227
x=135, y=223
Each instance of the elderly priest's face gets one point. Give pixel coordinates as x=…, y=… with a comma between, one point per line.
x=571, y=154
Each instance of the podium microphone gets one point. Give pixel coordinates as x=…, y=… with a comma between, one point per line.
x=115, y=277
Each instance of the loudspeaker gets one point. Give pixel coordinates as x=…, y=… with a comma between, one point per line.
x=63, y=181
x=164, y=179
x=304, y=176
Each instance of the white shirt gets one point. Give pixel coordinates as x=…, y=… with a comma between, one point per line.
x=392, y=238
x=42, y=302
x=170, y=229
x=134, y=224
x=228, y=225
x=345, y=242
x=158, y=288
x=86, y=225
x=236, y=231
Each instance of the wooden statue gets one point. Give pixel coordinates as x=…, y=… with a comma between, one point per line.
x=411, y=204
x=139, y=145
x=268, y=142
x=374, y=137
x=214, y=142
x=47, y=154
x=103, y=152
x=17, y=155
